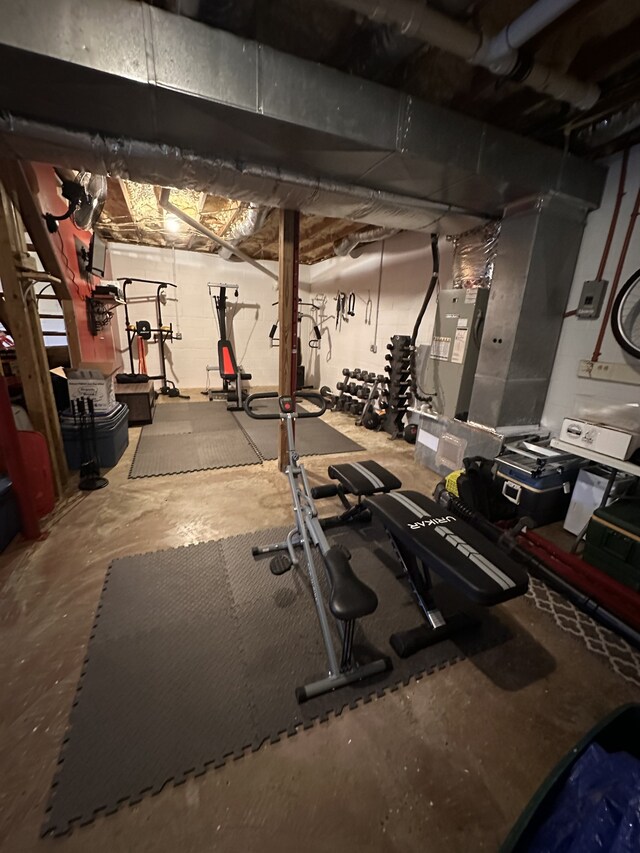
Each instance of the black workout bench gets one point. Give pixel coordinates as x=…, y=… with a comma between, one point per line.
x=427, y=538
x=359, y=479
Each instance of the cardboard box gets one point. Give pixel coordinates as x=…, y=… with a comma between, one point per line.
x=599, y=438
x=94, y=385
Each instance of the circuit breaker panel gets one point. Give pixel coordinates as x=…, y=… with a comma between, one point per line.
x=449, y=371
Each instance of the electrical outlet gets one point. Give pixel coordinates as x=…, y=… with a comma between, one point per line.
x=373, y=348
x=177, y=336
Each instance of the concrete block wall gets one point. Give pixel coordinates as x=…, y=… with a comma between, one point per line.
x=190, y=310
x=578, y=337
x=401, y=268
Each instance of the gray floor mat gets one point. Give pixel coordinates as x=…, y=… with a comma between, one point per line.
x=314, y=437
x=194, y=657
x=191, y=437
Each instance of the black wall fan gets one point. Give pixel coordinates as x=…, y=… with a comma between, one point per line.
x=85, y=194
x=625, y=316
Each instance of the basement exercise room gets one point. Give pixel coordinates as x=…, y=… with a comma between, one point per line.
x=320, y=426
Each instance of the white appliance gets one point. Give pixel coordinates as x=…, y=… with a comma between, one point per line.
x=588, y=493
x=617, y=443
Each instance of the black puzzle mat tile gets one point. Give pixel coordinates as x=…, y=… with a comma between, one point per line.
x=208, y=439
x=195, y=655
x=314, y=437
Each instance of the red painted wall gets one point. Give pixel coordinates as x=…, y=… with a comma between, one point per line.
x=99, y=350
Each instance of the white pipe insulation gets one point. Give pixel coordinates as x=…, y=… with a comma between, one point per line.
x=500, y=53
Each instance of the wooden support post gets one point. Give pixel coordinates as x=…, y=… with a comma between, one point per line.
x=288, y=314
x=22, y=315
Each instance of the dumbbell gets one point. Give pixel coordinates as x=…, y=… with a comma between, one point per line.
x=358, y=409
x=352, y=388
x=372, y=420
x=346, y=371
x=341, y=386
x=396, y=346
x=398, y=375
x=399, y=387
x=340, y=404
x=357, y=373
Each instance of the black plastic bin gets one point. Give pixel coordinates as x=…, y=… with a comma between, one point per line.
x=618, y=732
x=112, y=437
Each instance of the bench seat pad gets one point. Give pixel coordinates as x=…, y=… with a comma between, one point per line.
x=462, y=556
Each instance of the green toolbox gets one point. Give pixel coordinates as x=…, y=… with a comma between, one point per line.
x=613, y=541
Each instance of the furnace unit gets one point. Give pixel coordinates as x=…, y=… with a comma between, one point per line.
x=449, y=371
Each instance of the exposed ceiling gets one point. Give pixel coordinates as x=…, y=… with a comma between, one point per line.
x=132, y=215
x=266, y=118
x=596, y=41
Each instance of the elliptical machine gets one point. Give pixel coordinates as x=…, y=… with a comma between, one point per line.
x=349, y=598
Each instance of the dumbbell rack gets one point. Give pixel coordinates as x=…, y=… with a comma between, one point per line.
x=354, y=399
x=396, y=394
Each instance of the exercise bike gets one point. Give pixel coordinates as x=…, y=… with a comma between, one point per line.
x=349, y=598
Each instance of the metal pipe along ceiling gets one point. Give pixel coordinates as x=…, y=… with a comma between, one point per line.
x=202, y=229
x=499, y=54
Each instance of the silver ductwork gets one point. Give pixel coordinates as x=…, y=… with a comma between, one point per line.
x=227, y=120
x=271, y=187
x=612, y=127
x=497, y=53
x=248, y=223
x=474, y=254
x=349, y=245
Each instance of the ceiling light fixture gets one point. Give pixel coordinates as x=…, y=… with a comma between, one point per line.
x=172, y=223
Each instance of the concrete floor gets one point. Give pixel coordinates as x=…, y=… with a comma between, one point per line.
x=445, y=764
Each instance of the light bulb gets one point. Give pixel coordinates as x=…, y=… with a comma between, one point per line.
x=172, y=223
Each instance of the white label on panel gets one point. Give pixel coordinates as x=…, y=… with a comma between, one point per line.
x=463, y=323
x=459, y=343
x=440, y=348
x=452, y=316
x=471, y=295
x=430, y=441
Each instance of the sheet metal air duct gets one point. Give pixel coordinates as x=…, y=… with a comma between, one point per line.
x=349, y=245
x=610, y=128
x=246, y=225
x=499, y=53
x=229, y=118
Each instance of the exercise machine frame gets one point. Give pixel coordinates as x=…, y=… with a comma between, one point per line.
x=308, y=534
x=163, y=333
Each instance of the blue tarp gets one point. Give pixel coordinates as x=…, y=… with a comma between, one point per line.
x=598, y=808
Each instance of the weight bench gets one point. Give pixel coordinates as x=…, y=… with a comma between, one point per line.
x=427, y=538
x=232, y=376
x=359, y=479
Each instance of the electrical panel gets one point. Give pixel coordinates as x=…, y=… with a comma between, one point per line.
x=591, y=299
x=449, y=371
